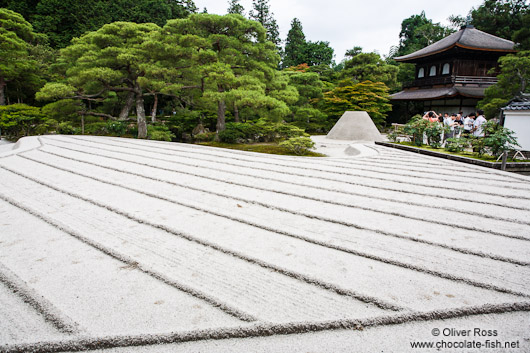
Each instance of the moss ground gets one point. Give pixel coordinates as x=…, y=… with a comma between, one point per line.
x=270, y=148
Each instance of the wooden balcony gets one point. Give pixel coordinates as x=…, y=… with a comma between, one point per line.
x=479, y=81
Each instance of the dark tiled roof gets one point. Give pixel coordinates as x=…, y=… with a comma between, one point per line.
x=467, y=37
x=519, y=103
x=437, y=93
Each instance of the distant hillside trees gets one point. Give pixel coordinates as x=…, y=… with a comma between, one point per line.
x=234, y=7
x=62, y=20
x=417, y=32
x=299, y=51
x=261, y=12
x=18, y=68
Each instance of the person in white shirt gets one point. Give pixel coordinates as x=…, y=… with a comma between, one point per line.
x=477, y=125
x=468, y=124
x=450, y=122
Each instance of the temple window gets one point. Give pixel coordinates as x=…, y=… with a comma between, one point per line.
x=446, y=69
x=421, y=72
x=432, y=72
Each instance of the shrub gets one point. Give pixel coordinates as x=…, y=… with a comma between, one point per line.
x=456, y=144
x=392, y=136
x=434, y=131
x=204, y=137
x=244, y=130
x=501, y=141
x=263, y=130
x=116, y=128
x=17, y=120
x=159, y=133
x=416, y=127
x=478, y=144
x=298, y=145
x=498, y=139
x=98, y=129
x=230, y=135
x=49, y=125
x=269, y=131
x=65, y=128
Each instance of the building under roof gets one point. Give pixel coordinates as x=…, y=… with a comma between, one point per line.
x=516, y=117
x=452, y=74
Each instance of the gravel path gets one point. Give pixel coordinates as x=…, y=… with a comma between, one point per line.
x=109, y=242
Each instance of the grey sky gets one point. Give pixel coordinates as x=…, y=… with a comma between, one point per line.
x=372, y=25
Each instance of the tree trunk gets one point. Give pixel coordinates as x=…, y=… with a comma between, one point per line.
x=221, y=109
x=140, y=113
x=236, y=113
x=126, y=109
x=2, y=91
x=82, y=124
x=153, y=112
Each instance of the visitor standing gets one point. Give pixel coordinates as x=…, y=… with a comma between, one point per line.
x=449, y=124
x=468, y=124
x=477, y=125
x=457, y=125
x=431, y=116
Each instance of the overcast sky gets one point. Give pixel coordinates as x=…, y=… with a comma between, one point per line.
x=372, y=25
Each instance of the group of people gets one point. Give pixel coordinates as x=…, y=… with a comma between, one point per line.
x=457, y=124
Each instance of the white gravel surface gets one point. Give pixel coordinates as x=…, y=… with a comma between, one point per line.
x=109, y=243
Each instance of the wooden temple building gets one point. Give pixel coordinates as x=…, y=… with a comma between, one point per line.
x=452, y=74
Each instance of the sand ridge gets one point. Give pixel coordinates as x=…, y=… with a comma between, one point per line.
x=235, y=244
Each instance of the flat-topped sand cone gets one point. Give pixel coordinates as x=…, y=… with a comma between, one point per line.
x=355, y=126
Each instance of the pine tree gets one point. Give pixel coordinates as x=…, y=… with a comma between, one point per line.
x=235, y=7
x=294, y=45
x=16, y=65
x=261, y=13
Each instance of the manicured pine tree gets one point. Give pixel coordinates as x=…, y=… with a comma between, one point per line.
x=112, y=59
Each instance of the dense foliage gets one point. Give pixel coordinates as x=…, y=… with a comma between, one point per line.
x=157, y=69
x=513, y=80
x=62, y=20
x=299, y=51
x=18, y=67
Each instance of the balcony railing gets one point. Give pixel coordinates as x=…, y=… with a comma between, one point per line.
x=445, y=80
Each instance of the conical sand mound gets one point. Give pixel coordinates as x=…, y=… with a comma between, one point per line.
x=355, y=126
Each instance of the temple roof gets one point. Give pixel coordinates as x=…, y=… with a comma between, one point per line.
x=468, y=38
x=439, y=93
x=519, y=103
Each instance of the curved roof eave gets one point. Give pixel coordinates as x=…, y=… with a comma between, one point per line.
x=467, y=38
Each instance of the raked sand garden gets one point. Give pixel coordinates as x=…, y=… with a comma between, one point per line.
x=143, y=246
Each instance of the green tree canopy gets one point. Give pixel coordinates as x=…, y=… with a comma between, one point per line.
x=261, y=12
x=417, y=32
x=522, y=35
x=370, y=67
x=369, y=96
x=318, y=53
x=513, y=80
x=295, y=43
x=234, y=7
x=299, y=51
x=501, y=18
x=62, y=20
x=16, y=64
x=231, y=64
x=109, y=60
